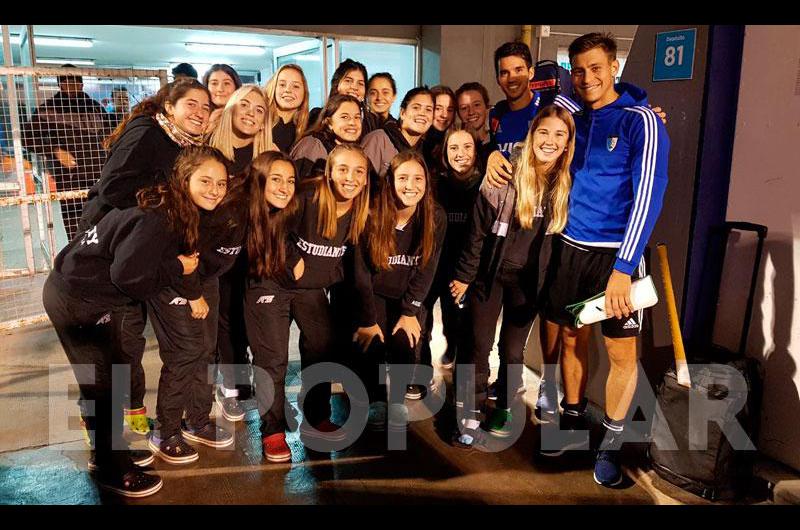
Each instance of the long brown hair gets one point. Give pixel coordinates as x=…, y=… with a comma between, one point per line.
x=266, y=235
x=330, y=108
x=383, y=217
x=300, y=115
x=550, y=189
x=173, y=196
x=169, y=93
x=327, y=220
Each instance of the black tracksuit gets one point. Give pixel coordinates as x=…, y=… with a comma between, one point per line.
x=271, y=305
x=188, y=346
x=142, y=156
x=310, y=154
x=457, y=197
x=381, y=146
x=129, y=255
x=387, y=295
x=503, y=264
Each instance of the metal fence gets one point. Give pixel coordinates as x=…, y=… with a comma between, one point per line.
x=52, y=124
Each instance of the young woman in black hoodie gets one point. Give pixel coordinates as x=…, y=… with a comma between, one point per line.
x=444, y=114
x=142, y=153
x=222, y=81
x=330, y=218
x=394, y=270
x=184, y=318
x=381, y=93
x=382, y=145
x=503, y=265
x=339, y=123
x=130, y=255
x=456, y=191
x=287, y=98
x=242, y=135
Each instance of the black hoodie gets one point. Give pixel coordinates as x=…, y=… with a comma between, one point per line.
x=141, y=157
x=407, y=279
x=129, y=255
x=310, y=154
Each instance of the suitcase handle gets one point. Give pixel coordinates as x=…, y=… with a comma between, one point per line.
x=744, y=226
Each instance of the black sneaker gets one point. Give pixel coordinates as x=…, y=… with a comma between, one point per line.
x=210, y=435
x=231, y=408
x=573, y=427
x=134, y=484
x=416, y=391
x=173, y=450
x=448, y=359
x=139, y=458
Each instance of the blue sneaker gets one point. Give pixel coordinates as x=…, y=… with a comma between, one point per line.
x=547, y=403
x=607, y=471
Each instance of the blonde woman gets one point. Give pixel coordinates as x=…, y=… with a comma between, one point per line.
x=287, y=98
x=243, y=132
x=501, y=266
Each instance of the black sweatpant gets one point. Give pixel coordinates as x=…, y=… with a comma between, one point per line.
x=396, y=349
x=452, y=315
x=231, y=335
x=129, y=323
x=512, y=293
x=269, y=310
x=85, y=332
x=187, y=347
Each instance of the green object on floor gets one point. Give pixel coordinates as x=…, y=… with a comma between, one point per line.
x=500, y=423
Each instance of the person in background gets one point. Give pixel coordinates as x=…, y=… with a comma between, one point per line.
x=67, y=131
x=381, y=93
x=184, y=70
x=221, y=81
x=472, y=104
x=120, y=105
x=444, y=114
x=287, y=99
x=350, y=78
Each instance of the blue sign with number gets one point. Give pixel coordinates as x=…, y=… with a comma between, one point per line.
x=674, y=55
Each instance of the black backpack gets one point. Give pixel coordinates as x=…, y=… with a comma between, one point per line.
x=718, y=470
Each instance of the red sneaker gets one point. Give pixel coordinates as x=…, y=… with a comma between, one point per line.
x=324, y=430
x=275, y=448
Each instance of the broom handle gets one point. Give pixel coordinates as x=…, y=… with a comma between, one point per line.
x=672, y=309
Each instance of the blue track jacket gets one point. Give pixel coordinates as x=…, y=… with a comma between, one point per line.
x=619, y=176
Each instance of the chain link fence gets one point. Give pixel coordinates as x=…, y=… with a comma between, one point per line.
x=52, y=125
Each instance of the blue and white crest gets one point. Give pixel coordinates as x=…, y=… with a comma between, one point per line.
x=611, y=143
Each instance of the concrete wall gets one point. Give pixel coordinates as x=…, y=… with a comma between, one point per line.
x=765, y=189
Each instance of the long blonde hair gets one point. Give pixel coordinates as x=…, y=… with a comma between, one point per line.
x=300, y=115
x=327, y=220
x=551, y=189
x=222, y=137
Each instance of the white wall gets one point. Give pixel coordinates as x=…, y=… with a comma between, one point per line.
x=765, y=189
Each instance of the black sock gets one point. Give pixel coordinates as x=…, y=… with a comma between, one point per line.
x=612, y=433
x=577, y=409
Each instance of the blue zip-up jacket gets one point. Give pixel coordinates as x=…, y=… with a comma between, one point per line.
x=619, y=176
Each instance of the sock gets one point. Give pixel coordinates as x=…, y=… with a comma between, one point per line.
x=612, y=436
x=577, y=409
x=228, y=392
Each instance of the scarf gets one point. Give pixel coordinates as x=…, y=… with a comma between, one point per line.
x=176, y=134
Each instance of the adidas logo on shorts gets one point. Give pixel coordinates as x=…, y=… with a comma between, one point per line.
x=631, y=324
x=265, y=299
x=178, y=301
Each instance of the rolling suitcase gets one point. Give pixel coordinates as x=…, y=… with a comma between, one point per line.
x=726, y=386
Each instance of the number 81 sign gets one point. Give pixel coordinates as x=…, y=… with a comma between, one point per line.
x=674, y=57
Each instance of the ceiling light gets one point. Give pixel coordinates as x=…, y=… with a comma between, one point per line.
x=76, y=62
x=233, y=49
x=67, y=42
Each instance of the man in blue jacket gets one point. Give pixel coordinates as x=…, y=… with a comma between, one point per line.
x=619, y=178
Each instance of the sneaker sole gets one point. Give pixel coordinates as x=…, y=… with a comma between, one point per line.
x=608, y=485
x=172, y=459
x=141, y=463
x=282, y=458
x=325, y=437
x=376, y=427
x=189, y=437
x=414, y=397
x=569, y=447
x=132, y=494
x=500, y=434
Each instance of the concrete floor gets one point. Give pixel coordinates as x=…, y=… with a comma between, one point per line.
x=43, y=458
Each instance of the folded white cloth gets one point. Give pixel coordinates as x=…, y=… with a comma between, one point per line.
x=643, y=295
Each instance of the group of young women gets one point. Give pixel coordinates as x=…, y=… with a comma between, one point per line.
x=226, y=211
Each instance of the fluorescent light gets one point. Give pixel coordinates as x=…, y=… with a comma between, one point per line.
x=76, y=62
x=66, y=42
x=233, y=49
